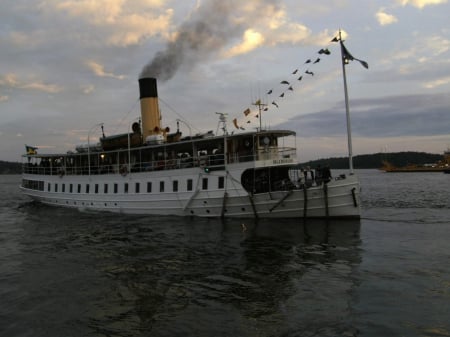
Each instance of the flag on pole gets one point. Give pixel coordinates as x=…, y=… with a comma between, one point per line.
x=30, y=149
x=349, y=57
x=235, y=123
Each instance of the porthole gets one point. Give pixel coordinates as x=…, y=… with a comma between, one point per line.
x=243, y=209
x=192, y=212
x=207, y=211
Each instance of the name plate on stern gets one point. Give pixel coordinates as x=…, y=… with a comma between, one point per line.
x=274, y=162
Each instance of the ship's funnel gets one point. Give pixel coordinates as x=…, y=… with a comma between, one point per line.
x=151, y=117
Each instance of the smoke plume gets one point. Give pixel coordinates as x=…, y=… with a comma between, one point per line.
x=214, y=24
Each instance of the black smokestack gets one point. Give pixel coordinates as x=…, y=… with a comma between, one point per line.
x=148, y=88
x=214, y=24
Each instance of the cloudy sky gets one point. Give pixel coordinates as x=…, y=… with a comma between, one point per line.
x=68, y=65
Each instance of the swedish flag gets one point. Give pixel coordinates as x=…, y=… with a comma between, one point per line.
x=31, y=150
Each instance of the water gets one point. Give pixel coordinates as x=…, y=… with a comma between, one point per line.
x=66, y=273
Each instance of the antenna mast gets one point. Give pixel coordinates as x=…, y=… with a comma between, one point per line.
x=222, y=122
x=261, y=107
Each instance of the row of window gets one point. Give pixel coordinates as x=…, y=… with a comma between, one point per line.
x=78, y=188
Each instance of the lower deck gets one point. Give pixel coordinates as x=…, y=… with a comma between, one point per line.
x=215, y=194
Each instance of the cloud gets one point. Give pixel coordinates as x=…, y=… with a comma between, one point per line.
x=437, y=82
x=88, y=89
x=396, y=116
x=421, y=3
x=120, y=23
x=98, y=11
x=251, y=40
x=99, y=70
x=3, y=98
x=385, y=19
x=132, y=29
x=11, y=81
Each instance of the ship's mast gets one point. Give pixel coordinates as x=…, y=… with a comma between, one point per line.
x=260, y=106
x=347, y=108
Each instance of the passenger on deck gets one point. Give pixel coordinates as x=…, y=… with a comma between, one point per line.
x=318, y=175
x=326, y=174
x=308, y=180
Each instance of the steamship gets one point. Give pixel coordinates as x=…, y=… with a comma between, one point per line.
x=152, y=171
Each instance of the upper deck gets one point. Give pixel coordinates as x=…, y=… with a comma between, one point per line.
x=260, y=149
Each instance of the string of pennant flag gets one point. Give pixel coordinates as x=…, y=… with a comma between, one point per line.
x=289, y=86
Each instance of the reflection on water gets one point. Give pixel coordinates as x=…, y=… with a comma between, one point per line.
x=106, y=275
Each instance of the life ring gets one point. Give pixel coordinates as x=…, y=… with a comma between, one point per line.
x=123, y=170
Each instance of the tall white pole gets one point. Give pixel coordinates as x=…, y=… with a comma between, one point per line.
x=347, y=109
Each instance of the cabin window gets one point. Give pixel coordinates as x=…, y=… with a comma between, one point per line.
x=56, y=187
x=87, y=188
x=49, y=187
x=96, y=188
x=125, y=188
x=63, y=188
x=161, y=186
x=116, y=188
x=137, y=188
x=175, y=185
x=79, y=188
x=71, y=188
x=205, y=183
x=149, y=187
x=221, y=182
x=105, y=188
x=189, y=185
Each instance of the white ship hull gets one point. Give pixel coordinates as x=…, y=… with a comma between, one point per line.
x=338, y=198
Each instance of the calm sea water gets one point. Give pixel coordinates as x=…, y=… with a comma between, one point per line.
x=66, y=273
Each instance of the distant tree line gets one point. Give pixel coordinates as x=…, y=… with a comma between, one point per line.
x=7, y=167
x=369, y=161
x=365, y=161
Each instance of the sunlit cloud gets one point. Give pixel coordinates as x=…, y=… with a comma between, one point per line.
x=11, y=81
x=421, y=3
x=99, y=11
x=384, y=18
x=3, y=98
x=99, y=70
x=251, y=40
x=437, y=83
x=132, y=29
x=125, y=22
x=437, y=44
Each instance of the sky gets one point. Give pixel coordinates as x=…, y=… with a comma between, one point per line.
x=68, y=65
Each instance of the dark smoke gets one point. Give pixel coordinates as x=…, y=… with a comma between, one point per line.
x=209, y=29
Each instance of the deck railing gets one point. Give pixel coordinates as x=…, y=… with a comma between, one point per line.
x=210, y=161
